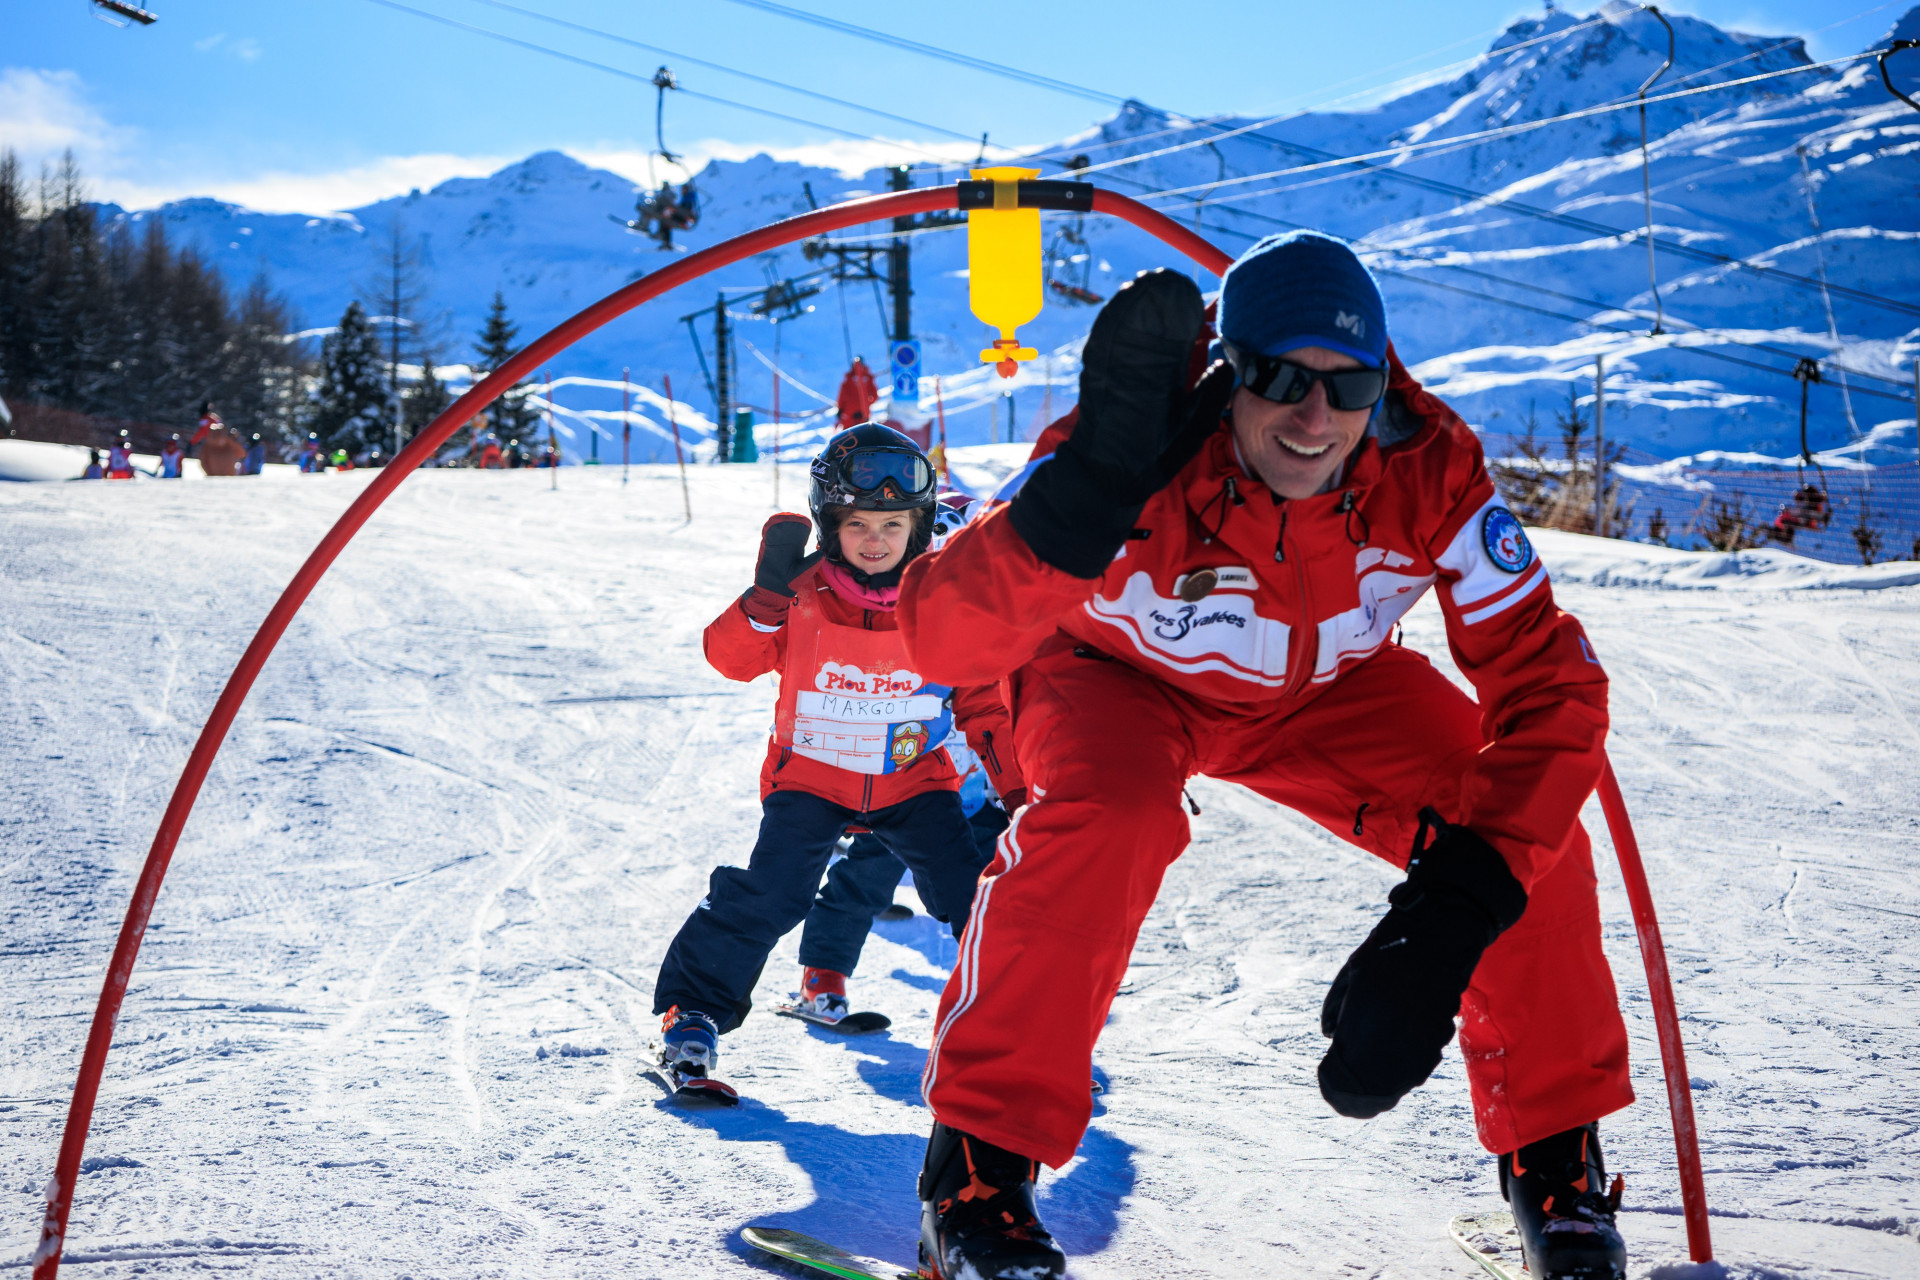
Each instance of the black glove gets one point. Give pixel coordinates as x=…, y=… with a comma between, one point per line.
x=1138, y=425
x=783, y=552
x=1391, y=1008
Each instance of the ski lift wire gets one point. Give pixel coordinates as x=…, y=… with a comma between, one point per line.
x=1646, y=178
x=945, y=55
x=1407, y=149
x=722, y=67
x=624, y=74
x=1416, y=278
x=1471, y=196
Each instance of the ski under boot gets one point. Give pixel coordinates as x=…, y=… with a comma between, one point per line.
x=977, y=1219
x=1563, y=1208
x=689, y=1043
x=823, y=993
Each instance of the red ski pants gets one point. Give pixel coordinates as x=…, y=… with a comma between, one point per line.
x=1106, y=749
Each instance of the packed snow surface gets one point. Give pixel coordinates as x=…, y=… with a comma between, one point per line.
x=390, y=1014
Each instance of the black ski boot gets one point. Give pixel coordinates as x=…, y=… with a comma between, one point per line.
x=977, y=1220
x=1557, y=1189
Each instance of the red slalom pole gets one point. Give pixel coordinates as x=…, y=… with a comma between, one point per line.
x=113, y=991
x=1666, y=1018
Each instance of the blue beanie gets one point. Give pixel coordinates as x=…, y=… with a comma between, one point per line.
x=1303, y=289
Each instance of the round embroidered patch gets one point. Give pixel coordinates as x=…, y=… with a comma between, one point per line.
x=1506, y=541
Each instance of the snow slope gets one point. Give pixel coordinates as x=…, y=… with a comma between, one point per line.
x=389, y=1017
x=1502, y=308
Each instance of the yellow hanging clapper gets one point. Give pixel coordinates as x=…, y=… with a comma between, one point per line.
x=1004, y=266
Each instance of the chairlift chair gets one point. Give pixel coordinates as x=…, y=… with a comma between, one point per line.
x=660, y=211
x=1069, y=262
x=120, y=9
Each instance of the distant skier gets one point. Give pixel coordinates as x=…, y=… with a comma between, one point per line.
x=490, y=456
x=342, y=460
x=857, y=738
x=172, y=458
x=256, y=460
x=209, y=423
x=94, y=470
x=857, y=394
x=220, y=451
x=312, y=460
x=120, y=458
x=1205, y=577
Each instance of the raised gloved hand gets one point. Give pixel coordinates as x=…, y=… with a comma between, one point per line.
x=1138, y=425
x=1390, y=1010
x=783, y=546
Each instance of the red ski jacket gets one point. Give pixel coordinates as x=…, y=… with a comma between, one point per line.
x=738, y=648
x=1301, y=592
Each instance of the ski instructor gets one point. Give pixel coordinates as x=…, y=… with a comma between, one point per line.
x=1201, y=573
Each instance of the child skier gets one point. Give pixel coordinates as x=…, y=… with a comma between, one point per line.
x=857, y=735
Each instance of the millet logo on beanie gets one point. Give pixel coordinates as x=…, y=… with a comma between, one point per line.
x=1303, y=289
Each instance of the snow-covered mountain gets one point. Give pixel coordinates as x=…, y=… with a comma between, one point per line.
x=1509, y=263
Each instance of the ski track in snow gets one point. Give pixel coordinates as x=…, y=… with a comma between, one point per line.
x=390, y=1016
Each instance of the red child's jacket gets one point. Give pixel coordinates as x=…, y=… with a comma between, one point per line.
x=854, y=725
x=1298, y=592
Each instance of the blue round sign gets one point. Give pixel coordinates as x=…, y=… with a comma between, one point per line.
x=1507, y=544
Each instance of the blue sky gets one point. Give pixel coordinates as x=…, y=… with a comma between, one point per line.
x=328, y=104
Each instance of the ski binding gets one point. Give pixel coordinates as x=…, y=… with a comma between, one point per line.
x=690, y=1088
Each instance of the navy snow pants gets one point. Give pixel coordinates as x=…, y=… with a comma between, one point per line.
x=716, y=958
x=860, y=886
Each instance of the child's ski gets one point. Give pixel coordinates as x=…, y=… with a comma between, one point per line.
x=821, y=1256
x=1491, y=1240
x=852, y=1024
x=693, y=1088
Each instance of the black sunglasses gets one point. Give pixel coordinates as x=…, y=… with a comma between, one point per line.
x=1281, y=380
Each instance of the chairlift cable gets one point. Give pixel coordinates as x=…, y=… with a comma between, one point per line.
x=722, y=67
x=624, y=74
x=1420, y=279
x=1408, y=149
x=1646, y=178
x=1568, y=220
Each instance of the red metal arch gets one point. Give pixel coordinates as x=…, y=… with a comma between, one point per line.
x=46, y=1259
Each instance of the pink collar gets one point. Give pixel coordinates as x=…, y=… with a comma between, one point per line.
x=847, y=589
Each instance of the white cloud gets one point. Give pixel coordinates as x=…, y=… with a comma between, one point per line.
x=246, y=48
x=315, y=193
x=848, y=156
x=43, y=113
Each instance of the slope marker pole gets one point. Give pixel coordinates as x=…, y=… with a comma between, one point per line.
x=686, y=495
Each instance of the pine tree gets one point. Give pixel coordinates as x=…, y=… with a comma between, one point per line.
x=426, y=399
x=350, y=407
x=262, y=393
x=511, y=415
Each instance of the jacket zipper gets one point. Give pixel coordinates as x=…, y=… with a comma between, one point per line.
x=1297, y=638
x=986, y=748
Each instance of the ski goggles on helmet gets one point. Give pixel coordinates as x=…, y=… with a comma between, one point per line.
x=1284, y=381
x=875, y=475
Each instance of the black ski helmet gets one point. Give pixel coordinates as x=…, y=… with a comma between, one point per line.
x=872, y=468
